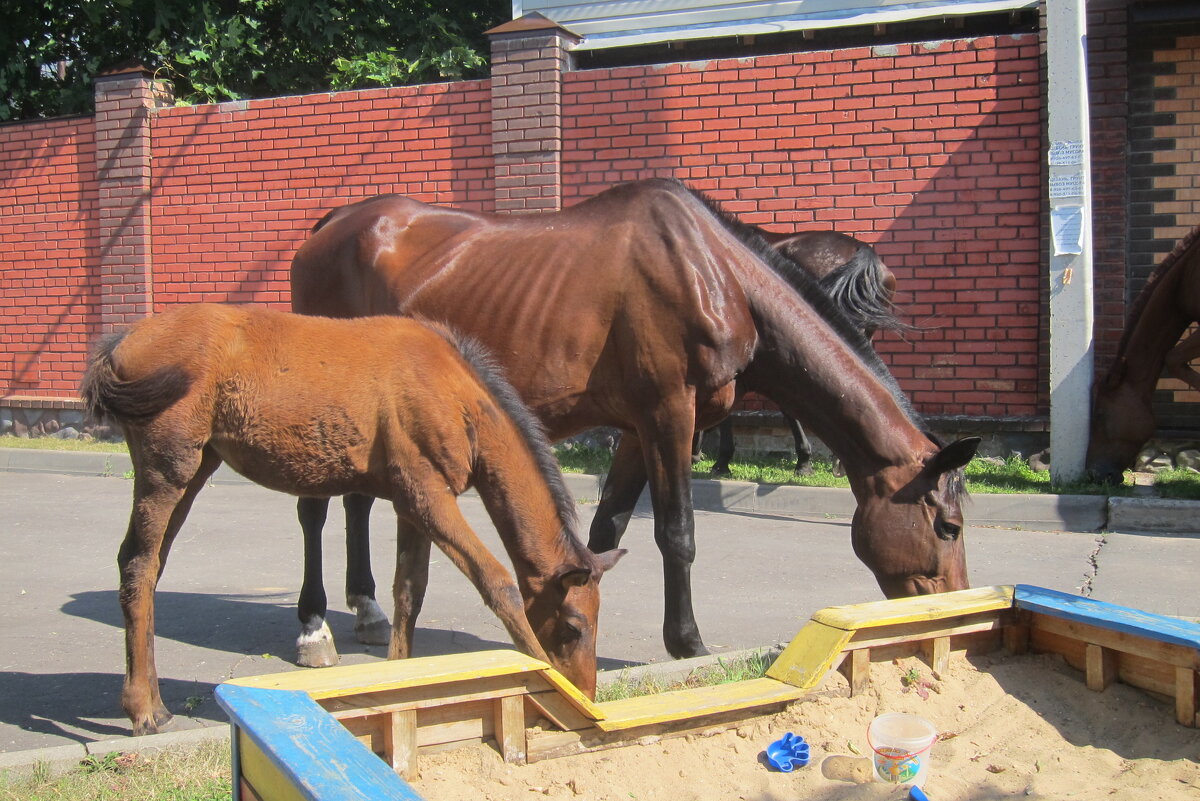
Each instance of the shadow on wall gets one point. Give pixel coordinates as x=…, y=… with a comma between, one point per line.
x=929, y=152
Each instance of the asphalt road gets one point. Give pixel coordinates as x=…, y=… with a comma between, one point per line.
x=226, y=603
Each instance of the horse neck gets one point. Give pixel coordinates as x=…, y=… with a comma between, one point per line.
x=520, y=502
x=1159, y=324
x=814, y=375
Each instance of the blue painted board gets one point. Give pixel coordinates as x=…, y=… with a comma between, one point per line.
x=308, y=746
x=1108, y=616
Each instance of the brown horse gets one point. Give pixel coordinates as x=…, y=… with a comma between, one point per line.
x=643, y=310
x=1122, y=414
x=858, y=283
x=316, y=407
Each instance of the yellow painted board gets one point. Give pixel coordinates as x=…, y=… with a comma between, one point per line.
x=268, y=781
x=586, y=706
x=694, y=703
x=810, y=655
x=333, y=682
x=918, y=608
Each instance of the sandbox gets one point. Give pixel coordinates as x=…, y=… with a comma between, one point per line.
x=316, y=734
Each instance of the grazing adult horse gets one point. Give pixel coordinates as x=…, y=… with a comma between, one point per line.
x=858, y=283
x=643, y=310
x=1122, y=413
x=318, y=407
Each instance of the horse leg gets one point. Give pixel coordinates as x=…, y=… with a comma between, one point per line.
x=162, y=497
x=622, y=487
x=725, y=449
x=371, y=624
x=408, y=587
x=314, y=646
x=697, y=452
x=1179, y=357
x=668, y=465
x=445, y=525
x=803, y=447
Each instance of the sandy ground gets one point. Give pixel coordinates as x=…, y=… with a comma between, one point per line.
x=1009, y=727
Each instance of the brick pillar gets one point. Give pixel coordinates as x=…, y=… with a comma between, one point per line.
x=529, y=57
x=125, y=97
x=1108, y=87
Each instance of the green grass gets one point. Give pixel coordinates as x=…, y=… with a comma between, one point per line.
x=983, y=477
x=199, y=774
x=50, y=443
x=725, y=671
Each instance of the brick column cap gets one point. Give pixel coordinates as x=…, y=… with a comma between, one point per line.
x=530, y=23
x=124, y=69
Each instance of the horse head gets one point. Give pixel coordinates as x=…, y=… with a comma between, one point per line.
x=1122, y=422
x=563, y=614
x=908, y=526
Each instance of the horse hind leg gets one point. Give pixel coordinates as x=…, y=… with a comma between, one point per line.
x=803, y=448
x=162, y=499
x=725, y=449
x=371, y=625
x=408, y=586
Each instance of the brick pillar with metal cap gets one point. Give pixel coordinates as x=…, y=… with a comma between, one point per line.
x=529, y=57
x=125, y=98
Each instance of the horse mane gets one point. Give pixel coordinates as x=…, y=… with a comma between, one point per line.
x=531, y=429
x=1143, y=299
x=814, y=294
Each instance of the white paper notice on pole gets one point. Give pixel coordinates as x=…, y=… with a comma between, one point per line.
x=1069, y=185
x=1065, y=154
x=1066, y=227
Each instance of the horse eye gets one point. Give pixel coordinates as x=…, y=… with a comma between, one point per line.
x=570, y=631
x=946, y=530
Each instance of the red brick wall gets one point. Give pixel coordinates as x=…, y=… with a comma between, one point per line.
x=929, y=152
x=239, y=185
x=48, y=252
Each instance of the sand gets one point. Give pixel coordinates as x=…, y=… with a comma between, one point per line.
x=1009, y=727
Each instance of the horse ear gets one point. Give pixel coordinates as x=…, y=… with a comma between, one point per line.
x=578, y=576
x=954, y=455
x=606, y=560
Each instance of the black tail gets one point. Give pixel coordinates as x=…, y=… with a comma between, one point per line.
x=858, y=288
x=106, y=395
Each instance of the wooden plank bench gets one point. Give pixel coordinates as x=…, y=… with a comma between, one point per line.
x=397, y=707
x=1109, y=642
x=846, y=636
x=287, y=748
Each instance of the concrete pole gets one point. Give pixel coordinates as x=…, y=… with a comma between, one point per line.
x=1069, y=186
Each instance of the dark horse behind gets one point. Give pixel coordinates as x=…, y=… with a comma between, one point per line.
x=644, y=310
x=318, y=407
x=1122, y=412
x=858, y=283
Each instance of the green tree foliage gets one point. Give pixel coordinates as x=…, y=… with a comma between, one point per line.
x=216, y=50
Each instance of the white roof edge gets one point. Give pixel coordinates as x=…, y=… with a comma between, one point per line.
x=600, y=41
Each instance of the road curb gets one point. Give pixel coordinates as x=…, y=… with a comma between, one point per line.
x=1081, y=513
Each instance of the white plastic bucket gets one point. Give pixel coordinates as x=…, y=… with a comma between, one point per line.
x=901, y=744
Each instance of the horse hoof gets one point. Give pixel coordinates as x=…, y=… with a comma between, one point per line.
x=316, y=654
x=687, y=650
x=377, y=632
x=315, y=647
x=160, y=720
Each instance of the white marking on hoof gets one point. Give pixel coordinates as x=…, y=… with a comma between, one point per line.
x=371, y=625
x=316, y=648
